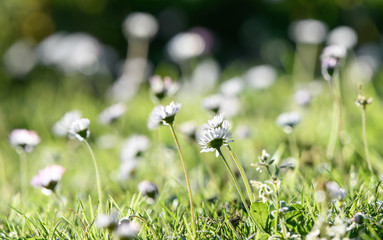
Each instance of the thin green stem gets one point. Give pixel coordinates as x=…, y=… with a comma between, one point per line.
x=97, y=176
x=234, y=180
x=147, y=224
x=338, y=119
x=365, y=139
x=187, y=180
x=23, y=173
x=243, y=174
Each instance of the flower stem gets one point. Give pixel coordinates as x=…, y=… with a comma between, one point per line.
x=243, y=174
x=97, y=176
x=338, y=119
x=187, y=179
x=147, y=224
x=365, y=139
x=23, y=174
x=234, y=180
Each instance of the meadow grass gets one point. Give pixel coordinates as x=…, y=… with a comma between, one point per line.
x=219, y=211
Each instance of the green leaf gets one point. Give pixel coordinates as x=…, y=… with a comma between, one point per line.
x=261, y=215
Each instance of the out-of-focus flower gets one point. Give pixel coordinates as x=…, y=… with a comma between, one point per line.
x=242, y=132
x=48, y=178
x=308, y=31
x=133, y=147
x=61, y=128
x=215, y=135
x=344, y=36
x=302, y=97
x=163, y=87
x=213, y=103
x=127, y=169
x=163, y=115
x=330, y=60
x=334, y=191
x=288, y=120
x=140, y=26
x=149, y=190
x=189, y=129
x=109, y=222
x=112, y=113
x=128, y=230
x=218, y=121
x=261, y=77
x=185, y=46
x=20, y=58
x=232, y=87
x=338, y=230
x=77, y=52
x=80, y=129
x=24, y=139
x=204, y=77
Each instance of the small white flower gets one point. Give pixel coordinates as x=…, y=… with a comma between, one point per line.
x=217, y=121
x=213, y=103
x=213, y=139
x=265, y=191
x=61, y=128
x=302, y=97
x=185, y=46
x=163, y=115
x=127, y=169
x=149, y=190
x=344, y=36
x=24, y=139
x=335, y=192
x=112, y=113
x=48, y=178
x=232, y=87
x=288, y=120
x=162, y=88
x=80, y=129
x=109, y=222
x=189, y=129
x=133, y=147
x=334, y=51
x=128, y=230
x=261, y=77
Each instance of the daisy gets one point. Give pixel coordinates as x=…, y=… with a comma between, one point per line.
x=214, y=139
x=24, y=139
x=61, y=128
x=163, y=115
x=48, y=178
x=112, y=113
x=80, y=129
x=148, y=189
x=163, y=87
x=134, y=146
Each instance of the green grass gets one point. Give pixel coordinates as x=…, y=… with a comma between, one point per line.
x=218, y=208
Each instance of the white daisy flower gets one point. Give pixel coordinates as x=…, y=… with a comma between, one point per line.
x=109, y=222
x=163, y=115
x=213, y=103
x=288, y=120
x=217, y=121
x=128, y=230
x=162, y=88
x=335, y=192
x=213, y=139
x=48, y=178
x=61, y=128
x=149, y=190
x=133, y=147
x=24, y=139
x=112, y=113
x=80, y=129
x=232, y=87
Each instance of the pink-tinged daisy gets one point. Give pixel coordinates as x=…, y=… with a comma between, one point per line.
x=48, y=178
x=24, y=139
